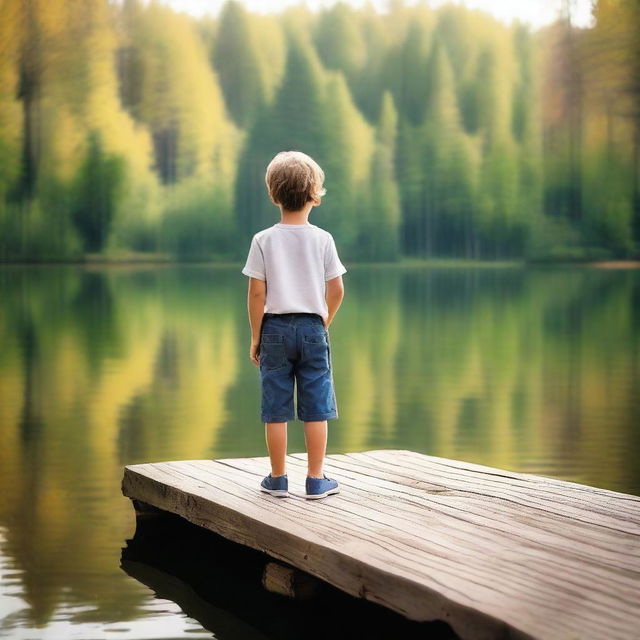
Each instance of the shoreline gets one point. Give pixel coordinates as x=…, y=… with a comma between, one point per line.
x=402, y=263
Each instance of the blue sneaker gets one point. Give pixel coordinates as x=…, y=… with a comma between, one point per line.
x=321, y=487
x=276, y=486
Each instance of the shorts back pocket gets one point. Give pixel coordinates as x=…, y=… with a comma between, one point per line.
x=315, y=350
x=272, y=351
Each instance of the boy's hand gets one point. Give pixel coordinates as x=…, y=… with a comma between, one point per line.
x=254, y=353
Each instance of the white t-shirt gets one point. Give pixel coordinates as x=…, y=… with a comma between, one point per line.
x=296, y=260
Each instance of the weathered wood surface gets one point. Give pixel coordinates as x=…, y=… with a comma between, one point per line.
x=290, y=582
x=494, y=553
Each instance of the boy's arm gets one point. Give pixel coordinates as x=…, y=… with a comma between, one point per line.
x=256, y=298
x=334, y=293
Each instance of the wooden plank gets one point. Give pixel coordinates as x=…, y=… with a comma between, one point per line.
x=551, y=490
x=494, y=553
x=513, y=572
x=487, y=517
x=288, y=581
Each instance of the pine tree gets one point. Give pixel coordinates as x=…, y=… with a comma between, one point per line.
x=236, y=58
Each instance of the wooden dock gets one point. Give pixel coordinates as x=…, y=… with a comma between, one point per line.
x=491, y=552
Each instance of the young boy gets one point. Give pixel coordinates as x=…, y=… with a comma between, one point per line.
x=295, y=289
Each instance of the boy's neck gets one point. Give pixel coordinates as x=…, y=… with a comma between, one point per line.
x=295, y=217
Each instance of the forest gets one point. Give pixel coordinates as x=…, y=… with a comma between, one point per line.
x=130, y=129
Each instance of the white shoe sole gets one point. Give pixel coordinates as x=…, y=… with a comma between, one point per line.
x=281, y=493
x=315, y=496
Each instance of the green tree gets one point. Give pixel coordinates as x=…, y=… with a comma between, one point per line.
x=404, y=69
x=12, y=149
x=236, y=58
x=339, y=40
x=382, y=236
x=526, y=131
x=349, y=143
x=295, y=121
x=448, y=162
x=96, y=194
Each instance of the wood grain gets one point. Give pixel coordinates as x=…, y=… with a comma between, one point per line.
x=494, y=553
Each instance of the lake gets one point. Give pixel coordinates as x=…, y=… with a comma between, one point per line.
x=528, y=368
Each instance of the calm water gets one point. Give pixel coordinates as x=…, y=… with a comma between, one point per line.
x=528, y=369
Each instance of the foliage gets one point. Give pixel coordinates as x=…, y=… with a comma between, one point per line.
x=442, y=133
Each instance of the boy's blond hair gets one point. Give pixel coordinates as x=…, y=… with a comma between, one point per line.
x=293, y=178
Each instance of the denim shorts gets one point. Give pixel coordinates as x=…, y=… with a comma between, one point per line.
x=295, y=346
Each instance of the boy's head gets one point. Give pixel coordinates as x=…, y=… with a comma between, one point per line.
x=293, y=179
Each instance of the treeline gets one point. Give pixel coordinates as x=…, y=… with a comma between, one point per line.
x=130, y=127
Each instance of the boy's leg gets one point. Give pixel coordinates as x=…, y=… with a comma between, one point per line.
x=316, y=396
x=276, y=434
x=277, y=383
x=315, y=436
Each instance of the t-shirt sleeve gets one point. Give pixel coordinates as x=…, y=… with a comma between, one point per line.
x=254, y=267
x=332, y=265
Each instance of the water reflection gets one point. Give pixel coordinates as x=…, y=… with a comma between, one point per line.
x=527, y=369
